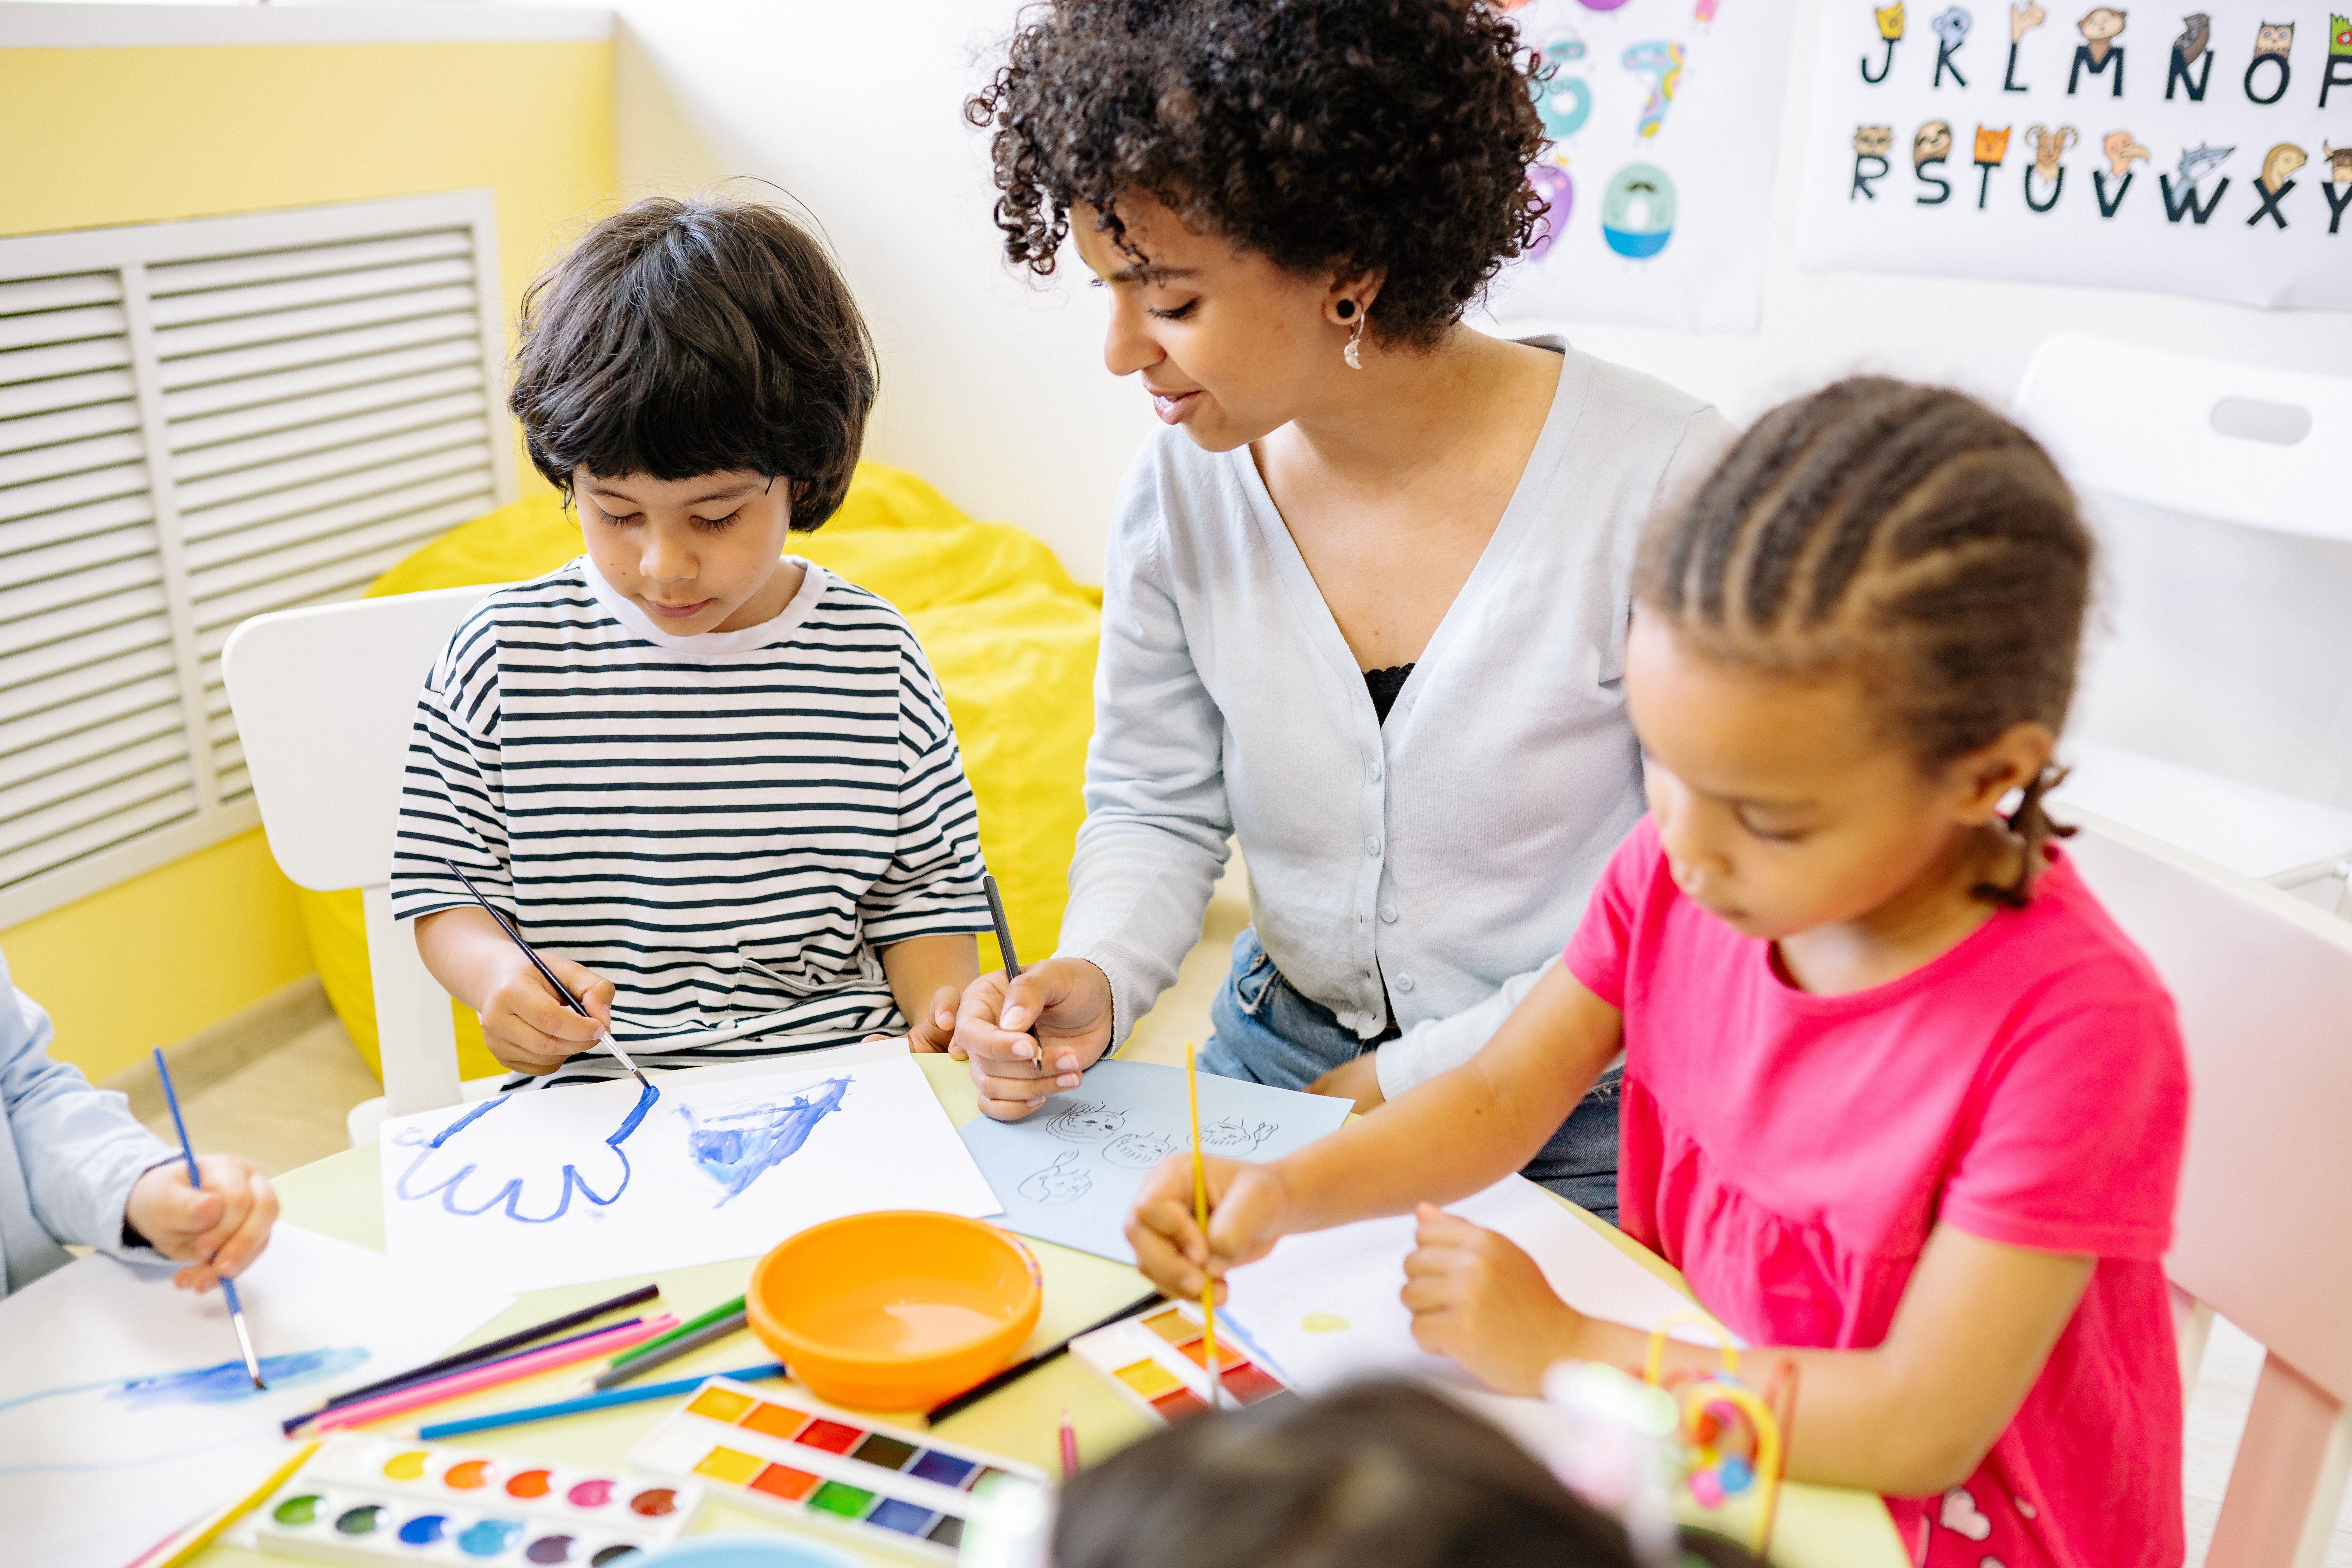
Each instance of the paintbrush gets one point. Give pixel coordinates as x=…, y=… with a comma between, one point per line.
x=196, y=1180
x=546, y=973
x=1201, y=1217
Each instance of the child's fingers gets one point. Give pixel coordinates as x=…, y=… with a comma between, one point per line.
x=1435, y=1228
x=1168, y=1246
x=237, y=1251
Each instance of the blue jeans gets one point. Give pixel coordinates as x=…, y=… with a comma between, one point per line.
x=1265, y=1031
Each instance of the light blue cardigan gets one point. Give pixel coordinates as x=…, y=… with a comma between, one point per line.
x=68, y=1153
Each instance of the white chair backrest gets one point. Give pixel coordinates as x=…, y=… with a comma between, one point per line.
x=2223, y=625
x=325, y=698
x=2263, y=985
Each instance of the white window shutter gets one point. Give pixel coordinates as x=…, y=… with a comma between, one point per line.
x=201, y=421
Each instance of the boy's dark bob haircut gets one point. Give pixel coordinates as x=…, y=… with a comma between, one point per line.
x=680, y=338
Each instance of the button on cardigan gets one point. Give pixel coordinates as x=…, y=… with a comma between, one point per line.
x=1449, y=849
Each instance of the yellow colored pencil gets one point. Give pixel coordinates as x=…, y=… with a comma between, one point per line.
x=1201, y=1217
x=238, y=1509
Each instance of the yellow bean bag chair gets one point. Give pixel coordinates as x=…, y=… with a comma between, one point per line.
x=1011, y=636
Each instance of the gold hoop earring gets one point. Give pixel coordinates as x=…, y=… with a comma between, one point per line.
x=1351, y=353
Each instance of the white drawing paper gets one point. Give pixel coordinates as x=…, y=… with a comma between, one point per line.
x=1664, y=118
x=563, y=1186
x=2202, y=150
x=1323, y=1307
x=125, y=1410
x=1069, y=1171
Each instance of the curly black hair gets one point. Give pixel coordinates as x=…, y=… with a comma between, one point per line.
x=1389, y=136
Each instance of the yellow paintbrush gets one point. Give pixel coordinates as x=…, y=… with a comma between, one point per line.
x=1201, y=1217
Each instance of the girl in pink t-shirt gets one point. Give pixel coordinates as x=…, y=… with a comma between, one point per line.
x=1900, y=1100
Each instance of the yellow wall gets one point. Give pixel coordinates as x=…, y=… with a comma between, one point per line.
x=102, y=136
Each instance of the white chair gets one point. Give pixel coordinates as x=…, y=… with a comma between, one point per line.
x=2215, y=712
x=2263, y=1230
x=325, y=698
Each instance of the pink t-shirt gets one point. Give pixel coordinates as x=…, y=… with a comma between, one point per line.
x=1790, y=1153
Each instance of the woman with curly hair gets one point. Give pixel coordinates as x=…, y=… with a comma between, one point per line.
x=1365, y=599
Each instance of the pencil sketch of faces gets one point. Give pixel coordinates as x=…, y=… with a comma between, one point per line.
x=1063, y=1181
x=1227, y=1135
x=1141, y=1151
x=1087, y=1121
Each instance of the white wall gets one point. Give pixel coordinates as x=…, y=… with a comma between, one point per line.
x=994, y=389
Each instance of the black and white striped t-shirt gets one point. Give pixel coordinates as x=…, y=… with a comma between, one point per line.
x=726, y=827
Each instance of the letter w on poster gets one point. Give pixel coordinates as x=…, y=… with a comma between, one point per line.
x=2206, y=151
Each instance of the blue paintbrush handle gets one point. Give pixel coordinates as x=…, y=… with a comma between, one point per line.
x=196, y=1184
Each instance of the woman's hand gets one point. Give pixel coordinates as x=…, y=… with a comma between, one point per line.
x=1034, y=1037
x=1248, y=1207
x=1479, y=1299
x=217, y=1230
x=1359, y=1080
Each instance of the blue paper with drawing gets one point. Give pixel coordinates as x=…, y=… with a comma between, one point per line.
x=1068, y=1172
x=561, y=1187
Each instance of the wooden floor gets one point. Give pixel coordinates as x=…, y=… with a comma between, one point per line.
x=287, y=1109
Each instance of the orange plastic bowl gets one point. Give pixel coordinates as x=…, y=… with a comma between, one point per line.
x=894, y=1310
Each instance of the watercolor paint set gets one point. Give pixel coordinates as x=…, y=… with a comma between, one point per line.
x=799, y=1460
x=1158, y=1361
x=370, y=1499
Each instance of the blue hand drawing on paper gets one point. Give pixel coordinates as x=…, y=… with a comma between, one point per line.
x=474, y=1171
x=218, y=1384
x=735, y=1146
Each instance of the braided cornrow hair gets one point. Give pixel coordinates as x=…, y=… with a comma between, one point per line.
x=1908, y=536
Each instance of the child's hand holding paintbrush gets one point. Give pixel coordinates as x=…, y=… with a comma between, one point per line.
x=1249, y=1206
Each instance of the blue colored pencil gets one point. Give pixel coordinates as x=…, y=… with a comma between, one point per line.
x=606, y=1401
x=196, y=1181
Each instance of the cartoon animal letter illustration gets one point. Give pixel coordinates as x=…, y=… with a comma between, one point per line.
x=2100, y=26
x=1063, y=1181
x=1930, y=145
x=1951, y=29
x=2274, y=41
x=1231, y=1135
x=1871, y=145
x=2339, y=57
x=2338, y=187
x=1551, y=183
x=2276, y=180
x=2195, y=32
x=1991, y=147
x=2049, y=147
x=1890, y=28
x=1637, y=211
x=1140, y=1151
x=2122, y=153
x=1564, y=103
x=1086, y=1122
x=1662, y=60
x=2024, y=15
x=2196, y=162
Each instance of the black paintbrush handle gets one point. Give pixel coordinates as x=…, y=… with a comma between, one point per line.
x=1021, y=1369
x=516, y=937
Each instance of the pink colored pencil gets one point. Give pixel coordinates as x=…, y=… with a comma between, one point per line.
x=363, y=1412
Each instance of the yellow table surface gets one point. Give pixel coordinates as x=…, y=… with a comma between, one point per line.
x=1820, y=1527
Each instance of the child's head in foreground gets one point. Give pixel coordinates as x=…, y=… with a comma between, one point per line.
x=1853, y=645
x=696, y=376
x=1380, y=1475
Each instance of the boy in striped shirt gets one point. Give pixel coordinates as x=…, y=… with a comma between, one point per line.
x=714, y=786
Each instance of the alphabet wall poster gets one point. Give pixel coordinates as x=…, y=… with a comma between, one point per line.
x=125, y=1410
x=2206, y=153
x=1069, y=1171
x=561, y=1186
x=1664, y=117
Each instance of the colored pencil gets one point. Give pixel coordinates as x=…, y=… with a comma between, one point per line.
x=497, y=1350
x=587, y=1402
x=401, y=1400
x=238, y=1509
x=196, y=1181
x=687, y=1327
x=1201, y=1217
x=546, y=973
x=394, y=1385
x=1069, y=1447
x=678, y=1346
x=1021, y=1369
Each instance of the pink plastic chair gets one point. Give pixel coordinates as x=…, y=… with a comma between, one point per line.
x=2263, y=1234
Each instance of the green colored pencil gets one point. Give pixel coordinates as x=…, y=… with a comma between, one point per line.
x=724, y=1309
